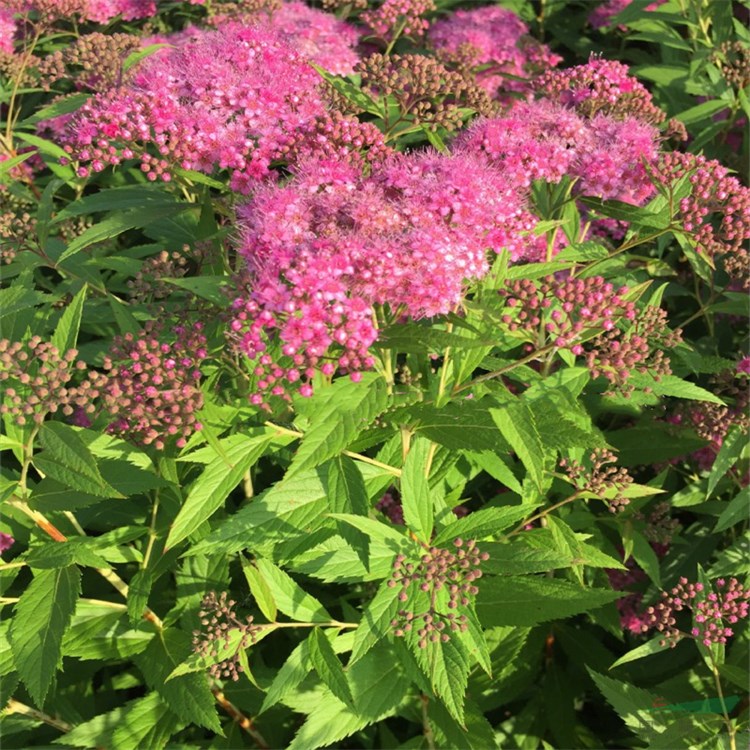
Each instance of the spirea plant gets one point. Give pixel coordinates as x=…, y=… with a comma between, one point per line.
x=374, y=374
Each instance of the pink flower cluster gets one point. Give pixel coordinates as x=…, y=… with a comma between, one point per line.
x=152, y=387
x=98, y=11
x=7, y=30
x=496, y=41
x=543, y=140
x=318, y=36
x=399, y=17
x=229, y=99
x=328, y=246
x=713, y=611
x=6, y=542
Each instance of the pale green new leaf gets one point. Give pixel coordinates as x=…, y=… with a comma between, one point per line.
x=66, y=333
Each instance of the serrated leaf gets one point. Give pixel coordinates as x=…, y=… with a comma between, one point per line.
x=188, y=696
x=416, y=497
x=376, y=621
x=645, y=649
x=212, y=488
x=291, y=674
x=63, y=554
x=66, y=333
x=290, y=597
x=139, y=590
x=735, y=512
x=142, y=723
x=67, y=459
x=528, y=600
x=484, y=522
x=731, y=449
x=515, y=420
x=260, y=590
x=328, y=666
x=348, y=408
x=298, y=504
x=42, y=616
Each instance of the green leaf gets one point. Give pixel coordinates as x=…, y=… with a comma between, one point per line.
x=636, y=707
x=63, y=554
x=415, y=490
x=528, y=600
x=671, y=385
x=447, y=667
x=67, y=459
x=348, y=408
x=645, y=649
x=351, y=92
x=260, y=590
x=142, y=723
x=188, y=696
x=346, y=488
x=119, y=199
x=296, y=503
x=14, y=161
x=42, y=616
x=484, y=522
x=328, y=666
x=291, y=674
x=645, y=556
x=735, y=512
x=213, y=486
x=63, y=106
x=731, y=449
x=66, y=333
x=289, y=596
x=211, y=288
x=139, y=590
x=376, y=621
x=515, y=420
x=118, y=222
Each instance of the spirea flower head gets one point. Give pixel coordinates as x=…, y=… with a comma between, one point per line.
x=330, y=244
x=601, y=87
x=714, y=610
x=227, y=100
x=496, y=41
x=7, y=30
x=39, y=380
x=152, y=389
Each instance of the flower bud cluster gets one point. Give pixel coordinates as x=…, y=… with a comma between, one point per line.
x=733, y=59
x=716, y=213
x=17, y=225
x=94, y=62
x=713, y=611
x=394, y=18
x=152, y=388
x=453, y=572
x=567, y=310
x=493, y=45
x=220, y=623
x=424, y=90
x=599, y=478
x=601, y=87
x=391, y=507
x=147, y=283
x=343, y=4
x=660, y=526
x=40, y=380
x=615, y=354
